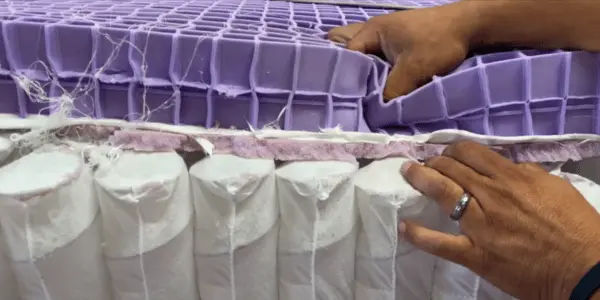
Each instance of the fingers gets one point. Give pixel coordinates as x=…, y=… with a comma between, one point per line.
x=401, y=80
x=464, y=176
x=345, y=33
x=481, y=159
x=366, y=40
x=439, y=188
x=456, y=248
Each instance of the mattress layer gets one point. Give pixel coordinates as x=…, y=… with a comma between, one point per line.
x=246, y=64
x=317, y=230
x=256, y=63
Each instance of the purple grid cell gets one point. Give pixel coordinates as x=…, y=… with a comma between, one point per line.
x=10, y=96
x=509, y=120
x=581, y=115
x=69, y=48
x=544, y=115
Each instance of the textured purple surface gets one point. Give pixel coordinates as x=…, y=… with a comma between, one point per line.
x=255, y=63
x=503, y=94
x=379, y=3
x=209, y=63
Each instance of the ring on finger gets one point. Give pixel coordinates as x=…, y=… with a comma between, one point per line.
x=460, y=207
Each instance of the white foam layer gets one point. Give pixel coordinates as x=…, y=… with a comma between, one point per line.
x=317, y=204
x=234, y=200
x=384, y=199
x=46, y=201
x=143, y=194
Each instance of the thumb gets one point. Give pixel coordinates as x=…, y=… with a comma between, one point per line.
x=456, y=248
x=365, y=41
x=405, y=77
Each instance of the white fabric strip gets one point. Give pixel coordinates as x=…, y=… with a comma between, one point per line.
x=39, y=123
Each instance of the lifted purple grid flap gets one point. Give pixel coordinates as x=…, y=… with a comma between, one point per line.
x=516, y=93
x=211, y=63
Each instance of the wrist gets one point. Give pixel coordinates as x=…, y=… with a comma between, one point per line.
x=492, y=25
x=469, y=18
x=540, y=24
x=579, y=264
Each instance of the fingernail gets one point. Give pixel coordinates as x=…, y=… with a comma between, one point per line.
x=401, y=227
x=405, y=167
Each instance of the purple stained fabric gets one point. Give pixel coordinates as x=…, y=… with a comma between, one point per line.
x=255, y=63
x=284, y=149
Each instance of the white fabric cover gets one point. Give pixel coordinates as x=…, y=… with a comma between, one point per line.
x=8, y=283
x=236, y=228
x=317, y=237
x=147, y=208
x=388, y=267
x=229, y=228
x=49, y=218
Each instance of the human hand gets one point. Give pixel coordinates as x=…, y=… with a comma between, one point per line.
x=419, y=43
x=528, y=232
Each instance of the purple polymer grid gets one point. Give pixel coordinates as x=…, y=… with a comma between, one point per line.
x=235, y=63
x=229, y=63
x=386, y=4
x=517, y=93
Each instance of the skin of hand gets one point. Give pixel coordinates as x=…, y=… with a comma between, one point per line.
x=530, y=233
x=419, y=43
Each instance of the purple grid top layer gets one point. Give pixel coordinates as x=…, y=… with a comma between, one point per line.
x=236, y=48
x=395, y=4
x=274, y=53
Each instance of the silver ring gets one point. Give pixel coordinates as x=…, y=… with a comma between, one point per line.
x=460, y=207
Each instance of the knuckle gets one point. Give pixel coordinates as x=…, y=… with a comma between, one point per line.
x=412, y=171
x=459, y=148
x=376, y=21
x=438, y=162
x=532, y=167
